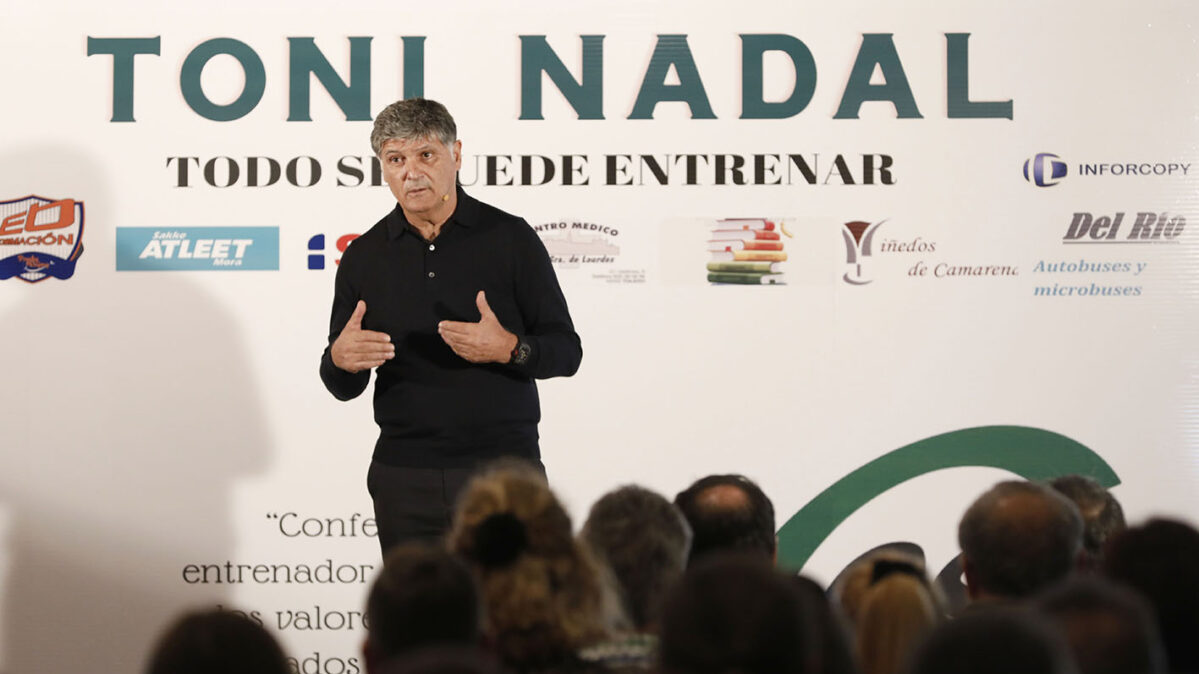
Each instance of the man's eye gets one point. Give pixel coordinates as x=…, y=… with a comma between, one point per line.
x=427, y=154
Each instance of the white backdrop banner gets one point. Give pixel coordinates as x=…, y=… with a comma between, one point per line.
x=965, y=255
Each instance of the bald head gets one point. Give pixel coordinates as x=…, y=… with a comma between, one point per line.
x=728, y=512
x=1017, y=538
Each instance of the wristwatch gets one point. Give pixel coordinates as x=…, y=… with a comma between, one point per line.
x=520, y=352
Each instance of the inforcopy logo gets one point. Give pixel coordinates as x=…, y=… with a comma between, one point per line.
x=197, y=248
x=1044, y=170
x=40, y=238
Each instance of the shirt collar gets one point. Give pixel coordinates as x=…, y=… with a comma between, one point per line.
x=466, y=213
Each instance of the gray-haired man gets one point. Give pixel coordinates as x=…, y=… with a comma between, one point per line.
x=455, y=305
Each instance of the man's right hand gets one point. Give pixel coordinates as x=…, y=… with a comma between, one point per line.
x=356, y=349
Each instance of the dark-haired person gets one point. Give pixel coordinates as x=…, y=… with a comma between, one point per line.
x=216, y=642
x=733, y=612
x=544, y=597
x=1160, y=560
x=1109, y=629
x=455, y=305
x=423, y=597
x=1017, y=539
x=1002, y=640
x=729, y=513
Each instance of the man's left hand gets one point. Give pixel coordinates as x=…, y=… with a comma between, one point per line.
x=484, y=342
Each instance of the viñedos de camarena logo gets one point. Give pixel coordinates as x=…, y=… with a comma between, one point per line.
x=316, y=247
x=859, y=237
x=1045, y=169
x=40, y=238
x=197, y=248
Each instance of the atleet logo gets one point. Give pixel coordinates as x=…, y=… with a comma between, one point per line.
x=1148, y=227
x=858, y=237
x=197, y=248
x=316, y=258
x=40, y=238
x=1044, y=170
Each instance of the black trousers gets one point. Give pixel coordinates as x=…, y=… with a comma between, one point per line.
x=416, y=504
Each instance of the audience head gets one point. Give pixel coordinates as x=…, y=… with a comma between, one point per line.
x=735, y=613
x=1018, y=538
x=1102, y=515
x=217, y=642
x=832, y=653
x=1160, y=560
x=423, y=596
x=730, y=513
x=997, y=641
x=1109, y=629
x=644, y=540
x=892, y=607
x=542, y=592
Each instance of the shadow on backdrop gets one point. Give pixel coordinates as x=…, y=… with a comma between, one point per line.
x=129, y=411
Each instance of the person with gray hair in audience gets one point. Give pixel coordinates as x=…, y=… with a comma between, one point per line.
x=643, y=540
x=1102, y=515
x=1016, y=539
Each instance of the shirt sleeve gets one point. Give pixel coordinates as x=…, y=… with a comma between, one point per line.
x=555, y=348
x=343, y=385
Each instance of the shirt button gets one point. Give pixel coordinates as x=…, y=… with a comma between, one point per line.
x=432, y=247
x=431, y=274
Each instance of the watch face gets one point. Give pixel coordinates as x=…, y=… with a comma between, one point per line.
x=521, y=354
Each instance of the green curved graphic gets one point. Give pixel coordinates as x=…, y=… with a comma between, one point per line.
x=1031, y=453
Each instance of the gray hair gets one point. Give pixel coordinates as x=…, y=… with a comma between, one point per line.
x=413, y=118
x=644, y=540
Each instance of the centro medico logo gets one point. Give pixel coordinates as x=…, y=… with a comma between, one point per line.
x=1045, y=169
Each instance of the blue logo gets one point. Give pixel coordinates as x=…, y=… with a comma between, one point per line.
x=316, y=258
x=197, y=248
x=40, y=238
x=1044, y=170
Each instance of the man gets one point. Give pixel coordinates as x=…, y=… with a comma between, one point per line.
x=1016, y=539
x=456, y=306
x=424, y=597
x=728, y=512
x=1101, y=513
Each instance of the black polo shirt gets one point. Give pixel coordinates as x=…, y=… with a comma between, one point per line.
x=435, y=409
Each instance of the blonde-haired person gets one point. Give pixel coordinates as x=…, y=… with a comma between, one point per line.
x=892, y=607
x=544, y=597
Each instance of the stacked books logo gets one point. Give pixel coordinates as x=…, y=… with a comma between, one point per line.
x=746, y=251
